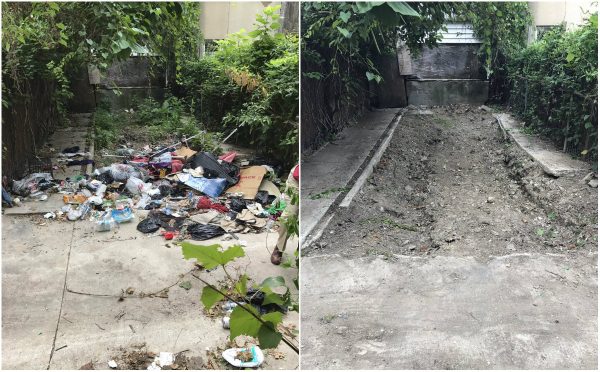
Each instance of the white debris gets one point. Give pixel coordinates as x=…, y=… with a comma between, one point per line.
x=230, y=355
x=166, y=359
x=112, y=364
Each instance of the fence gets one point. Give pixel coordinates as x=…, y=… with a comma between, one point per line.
x=26, y=122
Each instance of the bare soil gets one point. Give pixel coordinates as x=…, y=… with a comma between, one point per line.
x=448, y=184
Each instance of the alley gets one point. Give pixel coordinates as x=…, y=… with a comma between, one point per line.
x=459, y=252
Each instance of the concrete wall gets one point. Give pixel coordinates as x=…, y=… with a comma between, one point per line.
x=446, y=92
x=447, y=74
x=550, y=13
x=134, y=78
x=448, y=61
x=218, y=19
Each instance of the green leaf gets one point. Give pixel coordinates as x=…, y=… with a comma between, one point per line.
x=540, y=232
x=209, y=256
x=60, y=25
x=364, y=6
x=210, y=297
x=255, y=33
x=242, y=285
x=273, y=298
x=570, y=57
x=347, y=34
x=21, y=38
x=345, y=16
x=275, y=25
x=241, y=322
x=63, y=42
x=268, y=338
x=187, y=285
x=402, y=8
x=273, y=282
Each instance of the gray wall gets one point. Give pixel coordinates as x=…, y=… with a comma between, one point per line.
x=449, y=61
x=447, y=74
x=134, y=77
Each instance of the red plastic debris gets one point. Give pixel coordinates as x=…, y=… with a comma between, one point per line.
x=228, y=157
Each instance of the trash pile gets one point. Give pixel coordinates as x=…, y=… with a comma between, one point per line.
x=182, y=192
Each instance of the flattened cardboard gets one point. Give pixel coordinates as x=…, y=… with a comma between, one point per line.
x=269, y=187
x=250, y=180
x=186, y=152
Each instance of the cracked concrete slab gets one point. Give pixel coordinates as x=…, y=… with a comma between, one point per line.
x=522, y=311
x=94, y=324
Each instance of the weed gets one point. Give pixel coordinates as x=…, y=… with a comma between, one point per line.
x=328, y=192
x=443, y=121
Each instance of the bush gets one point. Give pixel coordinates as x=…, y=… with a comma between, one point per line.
x=250, y=82
x=555, y=87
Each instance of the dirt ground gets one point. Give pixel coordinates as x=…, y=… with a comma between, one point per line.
x=458, y=253
x=449, y=185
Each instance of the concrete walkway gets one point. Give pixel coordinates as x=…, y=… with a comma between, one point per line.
x=61, y=287
x=553, y=162
x=329, y=173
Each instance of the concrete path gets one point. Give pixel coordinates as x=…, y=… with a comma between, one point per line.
x=444, y=261
x=61, y=287
x=522, y=311
x=329, y=173
x=553, y=162
x=77, y=133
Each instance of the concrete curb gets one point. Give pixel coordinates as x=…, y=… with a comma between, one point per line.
x=367, y=167
x=366, y=173
x=551, y=161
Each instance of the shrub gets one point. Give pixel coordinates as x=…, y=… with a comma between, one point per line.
x=250, y=82
x=555, y=87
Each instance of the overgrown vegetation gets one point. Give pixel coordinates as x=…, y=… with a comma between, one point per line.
x=46, y=40
x=555, y=86
x=245, y=319
x=250, y=82
x=502, y=28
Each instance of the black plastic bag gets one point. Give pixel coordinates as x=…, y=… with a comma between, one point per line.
x=148, y=225
x=165, y=190
x=256, y=299
x=214, y=169
x=237, y=204
x=199, y=231
x=262, y=197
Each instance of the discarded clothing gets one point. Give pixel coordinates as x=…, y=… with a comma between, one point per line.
x=206, y=203
x=71, y=150
x=30, y=183
x=80, y=162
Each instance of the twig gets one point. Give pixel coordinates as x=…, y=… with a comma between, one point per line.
x=99, y=327
x=560, y=276
x=60, y=348
x=131, y=327
x=283, y=338
x=66, y=319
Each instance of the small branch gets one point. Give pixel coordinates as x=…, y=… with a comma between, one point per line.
x=99, y=327
x=560, y=276
x=283, y=338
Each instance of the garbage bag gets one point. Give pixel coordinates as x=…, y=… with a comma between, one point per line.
x=211, y=187
x=30, y=183
x=237, y=204
x=199, y=231
x=124, y=215
x=122, y=172
x=165, y=190
x=148, y=225
x=256, y=298
x=262, y=197
x=214, y=169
